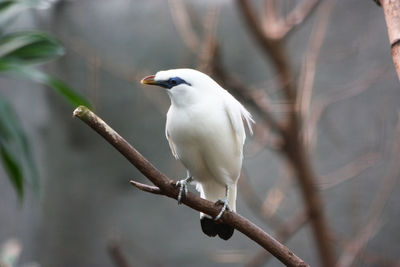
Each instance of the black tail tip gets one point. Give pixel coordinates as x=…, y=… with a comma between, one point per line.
x=212, y=228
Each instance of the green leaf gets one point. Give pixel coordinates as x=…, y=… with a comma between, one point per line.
x=14, y=171
x=29, y=47
x=15, y=151
x=9, y=10
x=38, y=76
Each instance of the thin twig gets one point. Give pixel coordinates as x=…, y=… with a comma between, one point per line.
x=350, y=170
x=372, y=226
x=168, y=188
x=209, y=44
x=322, y=104
x=271, y=21
x=272, y=48
x=298, y=15
x=307, y=75
x=183, y=24
x=146, y=188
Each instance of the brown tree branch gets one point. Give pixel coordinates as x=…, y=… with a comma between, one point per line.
x=278, y=26
x=168, y=188
x=293, y=148
x=308, y=71
x=183, y=24
x=298, y=15
x=146, y=188
x=209, y=45
x=392, y=16
x=287, y=230
x=272, y=48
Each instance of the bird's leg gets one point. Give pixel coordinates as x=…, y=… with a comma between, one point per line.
x=225, y=204
x=183, y=186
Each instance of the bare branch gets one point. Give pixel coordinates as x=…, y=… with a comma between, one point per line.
x=353, y=248
x=168, y=188
x=307, y=75
x=354, y=88
x=272, y=48
x=372, y=226
x=183, y=25
x=271, y=21
x=146, y=188
x=209, y=45
x=298, y=15
x=286, y=231
x=277, y=26
x=350, y=170
x=392, y=16
x=293, y=148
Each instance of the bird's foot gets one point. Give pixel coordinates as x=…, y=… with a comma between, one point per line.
x=183, y=187
x=225, y=206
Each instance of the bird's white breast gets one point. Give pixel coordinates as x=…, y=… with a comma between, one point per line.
x=205, y=142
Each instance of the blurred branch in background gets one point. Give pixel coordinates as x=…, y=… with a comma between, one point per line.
x=374, y=221
x=321, y=104
x=350, y=170
x=308, y=69
x=169, y=189
x=277, y=26
x=182, y=21
x=293, y=148
x=117, y=255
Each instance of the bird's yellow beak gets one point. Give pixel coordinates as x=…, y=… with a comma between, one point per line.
x=149, y=80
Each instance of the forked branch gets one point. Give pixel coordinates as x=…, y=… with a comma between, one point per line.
x=166, y=187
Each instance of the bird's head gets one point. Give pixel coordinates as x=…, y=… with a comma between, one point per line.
x=184, y=86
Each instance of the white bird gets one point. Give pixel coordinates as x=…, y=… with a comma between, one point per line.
x=205, y=130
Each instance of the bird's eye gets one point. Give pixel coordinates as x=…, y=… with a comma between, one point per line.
x=173, y=81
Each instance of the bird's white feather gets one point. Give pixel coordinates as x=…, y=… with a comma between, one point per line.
x=205, y=130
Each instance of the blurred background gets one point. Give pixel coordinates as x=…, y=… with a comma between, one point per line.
x=85, y=212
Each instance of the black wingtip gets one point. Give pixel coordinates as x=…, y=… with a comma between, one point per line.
x=225, y=231
x=208, y=226
x=212, y=228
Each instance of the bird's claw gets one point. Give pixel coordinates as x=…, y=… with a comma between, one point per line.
x=183, y=187
x=225, y=206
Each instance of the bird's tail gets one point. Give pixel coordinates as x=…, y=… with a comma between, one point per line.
x=213, y=192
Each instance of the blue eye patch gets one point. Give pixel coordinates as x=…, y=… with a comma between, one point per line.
x=171, y=82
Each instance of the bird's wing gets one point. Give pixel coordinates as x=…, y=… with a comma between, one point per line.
x=237, y=114
x=171, y=145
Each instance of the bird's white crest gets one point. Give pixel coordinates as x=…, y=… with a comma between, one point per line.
x=205, y=130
